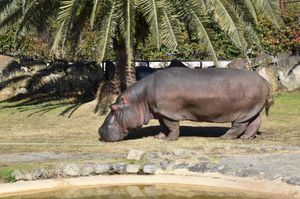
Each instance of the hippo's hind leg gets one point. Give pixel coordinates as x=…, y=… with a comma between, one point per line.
x=252, y=128
x=170, y=129
x=236, y=130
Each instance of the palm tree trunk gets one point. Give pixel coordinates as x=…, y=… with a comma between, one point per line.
x=125, y=69
x=120, y=77
x=130, y=75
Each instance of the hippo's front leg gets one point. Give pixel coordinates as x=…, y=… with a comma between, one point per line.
x=170, y=129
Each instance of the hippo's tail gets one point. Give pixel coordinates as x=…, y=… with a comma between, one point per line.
x=269, y=100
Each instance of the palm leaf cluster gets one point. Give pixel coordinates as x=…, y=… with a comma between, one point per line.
x=118, y=19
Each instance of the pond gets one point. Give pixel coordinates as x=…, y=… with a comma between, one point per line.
x=141, y=192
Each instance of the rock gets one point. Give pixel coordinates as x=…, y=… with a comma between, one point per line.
x=18, y=175
x=294, y=180
x=201, y=167
x=290, y=80
x=119, y=168
x=103, y=168
x=262, y=60
x=180, y=166
x=28, y=176
x=179, y=153
x=288, y=68
x=269, y=73
x=226, y=170
x=40, y=174
x=71, y=170
x=87, y=169
x=240, y=63
x=249, y=172
x=135, y=154
x=164, y=164
x=150, y=169
x=133, y=168
x=212, y=167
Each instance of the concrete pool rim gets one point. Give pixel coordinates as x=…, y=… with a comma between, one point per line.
x=271, y=188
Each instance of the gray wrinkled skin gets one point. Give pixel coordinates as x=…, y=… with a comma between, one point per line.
x=175, y=94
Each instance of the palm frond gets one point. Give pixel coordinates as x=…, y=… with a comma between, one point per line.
x=245, y=18
x=94, y=13
x=202, y=33
x=108, y=26
x=68, y=10
x=249, y=10
x=10, y=18
x=195, y=23
x=127, y=27
x=199, y=6
x=268, y=8
x=37, y=14
x=225, y=20
x=150, y=10
x=80, y=20
x=251, y=35
x=6, y=5
x=169, y=27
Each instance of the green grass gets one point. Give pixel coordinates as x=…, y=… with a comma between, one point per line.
x=6, y=174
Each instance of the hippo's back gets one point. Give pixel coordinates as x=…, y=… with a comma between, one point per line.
x=213, y=95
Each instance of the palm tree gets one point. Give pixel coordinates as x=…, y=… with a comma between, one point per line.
x=115, y=20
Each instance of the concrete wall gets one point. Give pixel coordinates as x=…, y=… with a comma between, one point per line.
x=190, y=64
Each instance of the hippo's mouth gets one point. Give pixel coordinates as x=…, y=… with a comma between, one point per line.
x=106, y=136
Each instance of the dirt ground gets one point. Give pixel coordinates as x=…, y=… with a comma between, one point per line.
x=38, y=130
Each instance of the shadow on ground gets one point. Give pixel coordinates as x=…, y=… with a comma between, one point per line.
x=43, y=88
x=185, y=131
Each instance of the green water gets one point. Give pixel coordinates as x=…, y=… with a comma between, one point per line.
x=139, y=192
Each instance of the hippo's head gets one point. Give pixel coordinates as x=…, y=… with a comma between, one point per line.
x=123, y=117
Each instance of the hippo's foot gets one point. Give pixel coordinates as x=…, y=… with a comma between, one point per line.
x=235, y=131
x=171, y=129
x=161, y=135
x=251, y=131
x=248, y=138
x=171, y=138
x=229, y=137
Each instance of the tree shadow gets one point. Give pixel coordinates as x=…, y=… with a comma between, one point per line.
x=58, y=85
x=185, y=131
x=10, y=69
x=7, y=82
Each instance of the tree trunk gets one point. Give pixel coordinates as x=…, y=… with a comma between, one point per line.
x=125, y=69
x=130, y=75
x=124, y=77
x=120, y=77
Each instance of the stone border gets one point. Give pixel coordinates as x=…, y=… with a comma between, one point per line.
x=252, y=186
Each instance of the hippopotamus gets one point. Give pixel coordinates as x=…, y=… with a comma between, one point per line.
x=176, y=94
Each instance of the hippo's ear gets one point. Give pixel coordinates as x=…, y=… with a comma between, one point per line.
x=114, y=107
x=123, y=100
